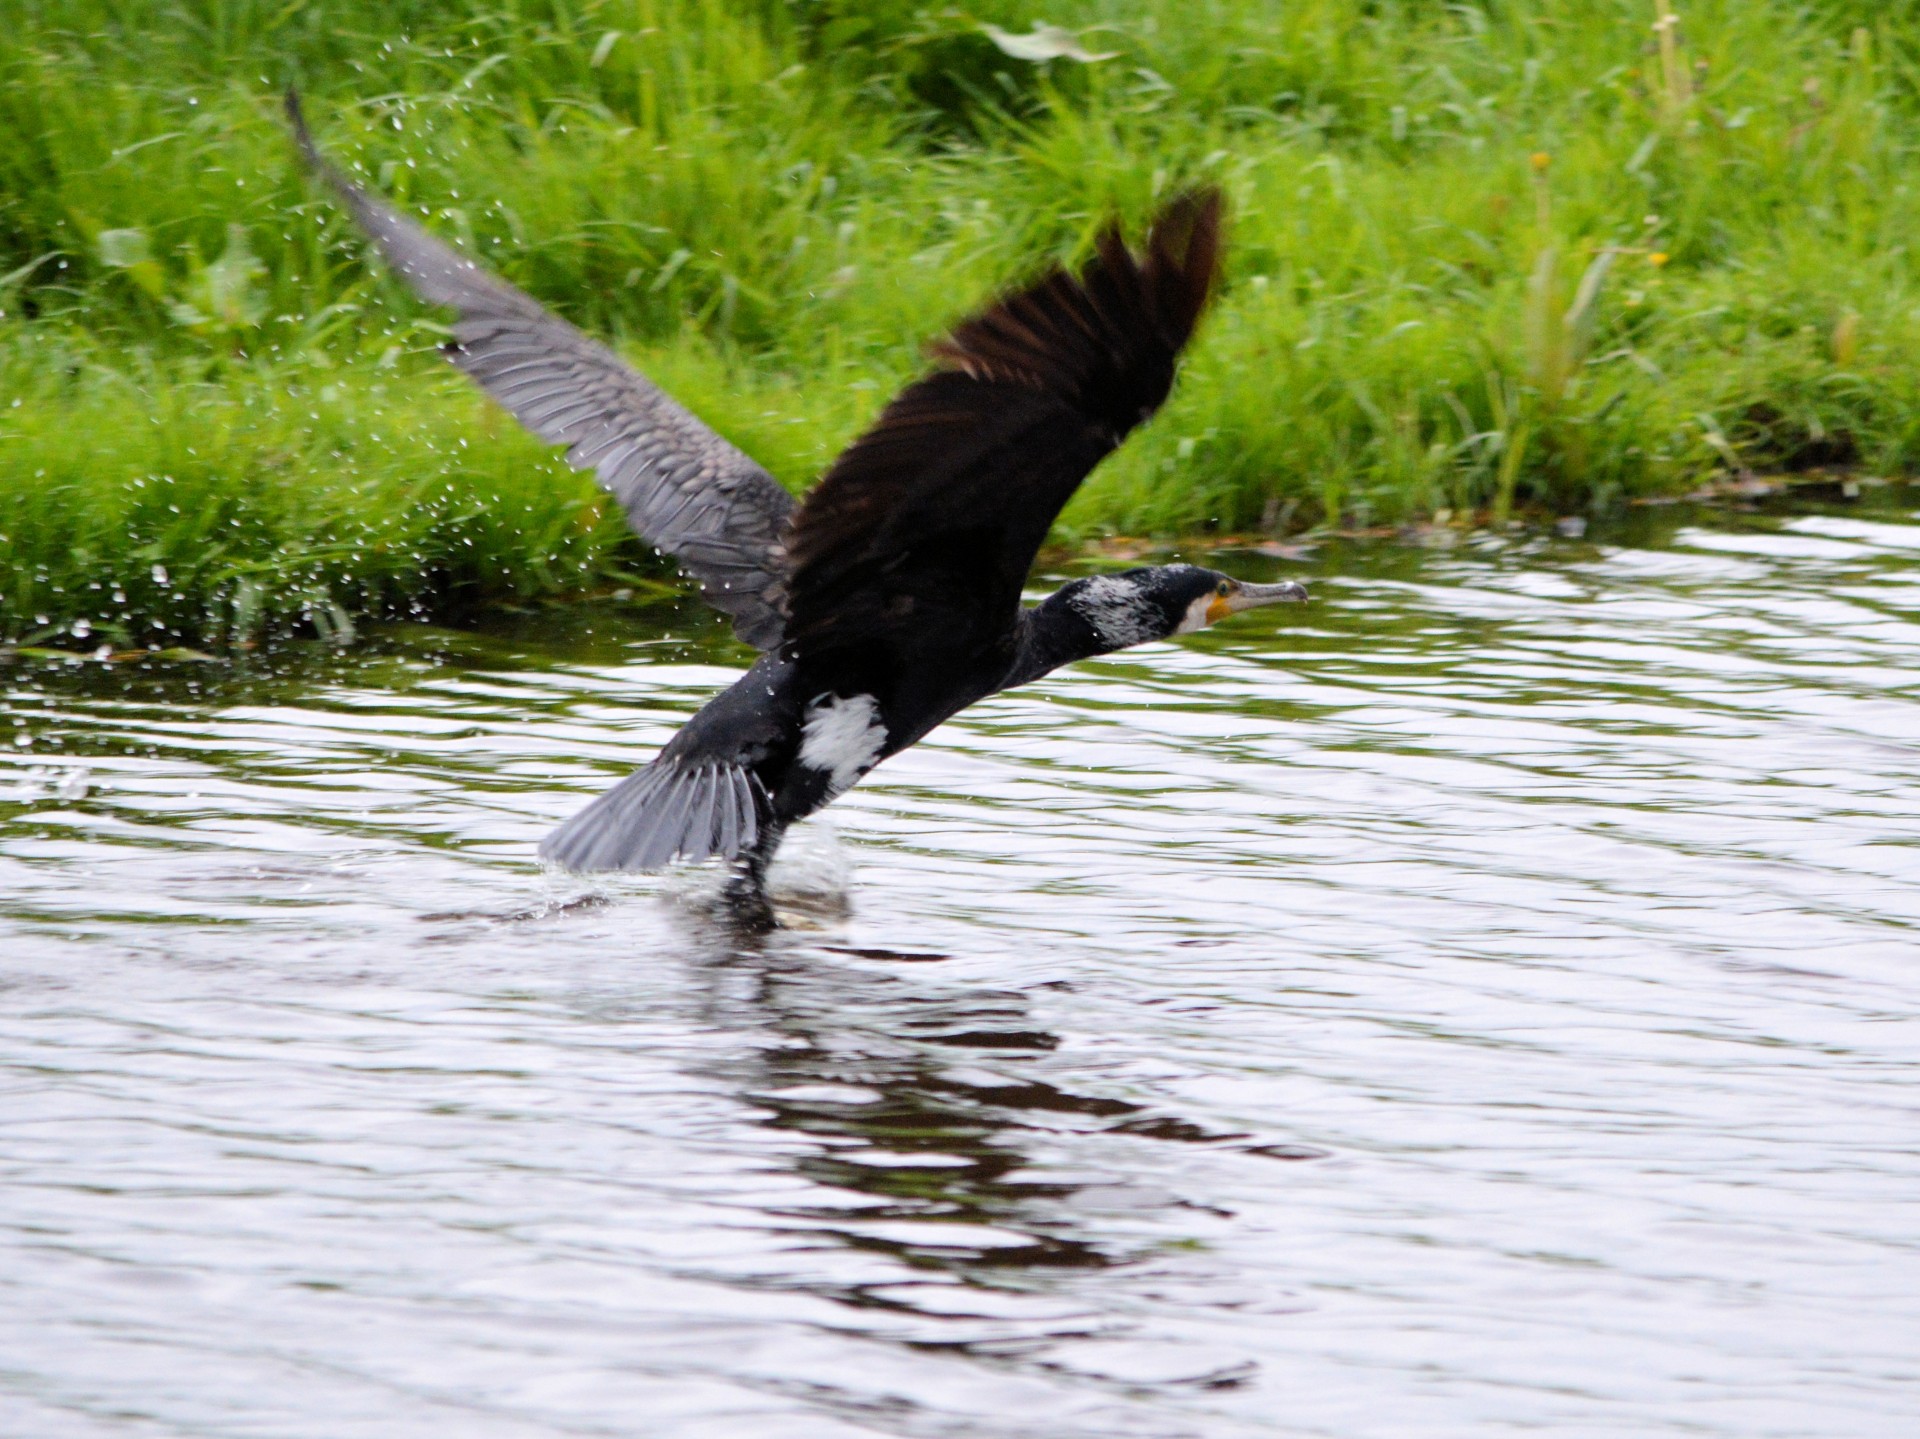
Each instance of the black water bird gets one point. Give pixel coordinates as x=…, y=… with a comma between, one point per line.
x=890, y=598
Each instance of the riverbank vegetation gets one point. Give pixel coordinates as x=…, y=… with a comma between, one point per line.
x=1486, y=258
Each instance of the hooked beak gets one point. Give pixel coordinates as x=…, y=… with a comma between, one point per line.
x=1251, y=597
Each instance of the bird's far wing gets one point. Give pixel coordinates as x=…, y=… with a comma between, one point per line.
x=684, y=488
x=925, y=528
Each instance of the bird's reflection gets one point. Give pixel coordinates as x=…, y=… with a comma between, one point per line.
x=916, y=1102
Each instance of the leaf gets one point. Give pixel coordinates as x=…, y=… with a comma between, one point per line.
x=38, y=652
x=19, y=276
x=1586, y=296
x=669, y=270
x=1846, y=338
x=1546, y=328
x=129, y=252
x=228, y=289
x=1045, y=42
x=123, y=249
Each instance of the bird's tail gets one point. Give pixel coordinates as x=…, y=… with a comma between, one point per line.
x=670, y=810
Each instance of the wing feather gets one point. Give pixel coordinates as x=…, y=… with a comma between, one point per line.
x=571, y=390
x=926, y=527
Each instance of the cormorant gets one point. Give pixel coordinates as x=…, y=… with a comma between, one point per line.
x=889, y=599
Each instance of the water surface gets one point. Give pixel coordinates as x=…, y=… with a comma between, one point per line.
x=1481, y=1002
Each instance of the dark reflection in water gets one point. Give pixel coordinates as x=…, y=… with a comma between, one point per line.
x=1479, y=1003
x=856, y=1065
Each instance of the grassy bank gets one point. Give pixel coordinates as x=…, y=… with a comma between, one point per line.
x=1485, y=256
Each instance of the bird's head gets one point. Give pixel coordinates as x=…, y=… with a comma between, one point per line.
x=1134, y=606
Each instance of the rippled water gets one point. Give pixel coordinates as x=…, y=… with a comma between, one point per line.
x=1480, y=1002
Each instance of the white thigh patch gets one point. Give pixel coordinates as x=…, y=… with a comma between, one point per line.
x=843, y=737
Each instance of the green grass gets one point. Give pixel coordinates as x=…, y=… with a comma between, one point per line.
x=1485, y=256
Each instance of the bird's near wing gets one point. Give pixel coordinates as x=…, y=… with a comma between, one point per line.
x=919, y=539
x=685, y=490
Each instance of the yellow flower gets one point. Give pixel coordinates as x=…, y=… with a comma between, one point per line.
x=1540, y=159
x=1657, y=258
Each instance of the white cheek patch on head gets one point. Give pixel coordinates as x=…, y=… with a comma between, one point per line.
x=1196, y=616
x=843, y=738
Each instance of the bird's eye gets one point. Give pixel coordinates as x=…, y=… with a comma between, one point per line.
x=1224, y=588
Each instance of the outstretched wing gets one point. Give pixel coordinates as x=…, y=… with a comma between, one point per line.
x=685, y=489
x=922, y=533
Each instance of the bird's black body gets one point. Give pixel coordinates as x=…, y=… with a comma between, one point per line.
x=794, y=735
x=889, y=599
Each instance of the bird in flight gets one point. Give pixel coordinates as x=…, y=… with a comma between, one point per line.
x=889, y=598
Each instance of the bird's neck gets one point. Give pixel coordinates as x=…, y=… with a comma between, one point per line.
x=1053, y=633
